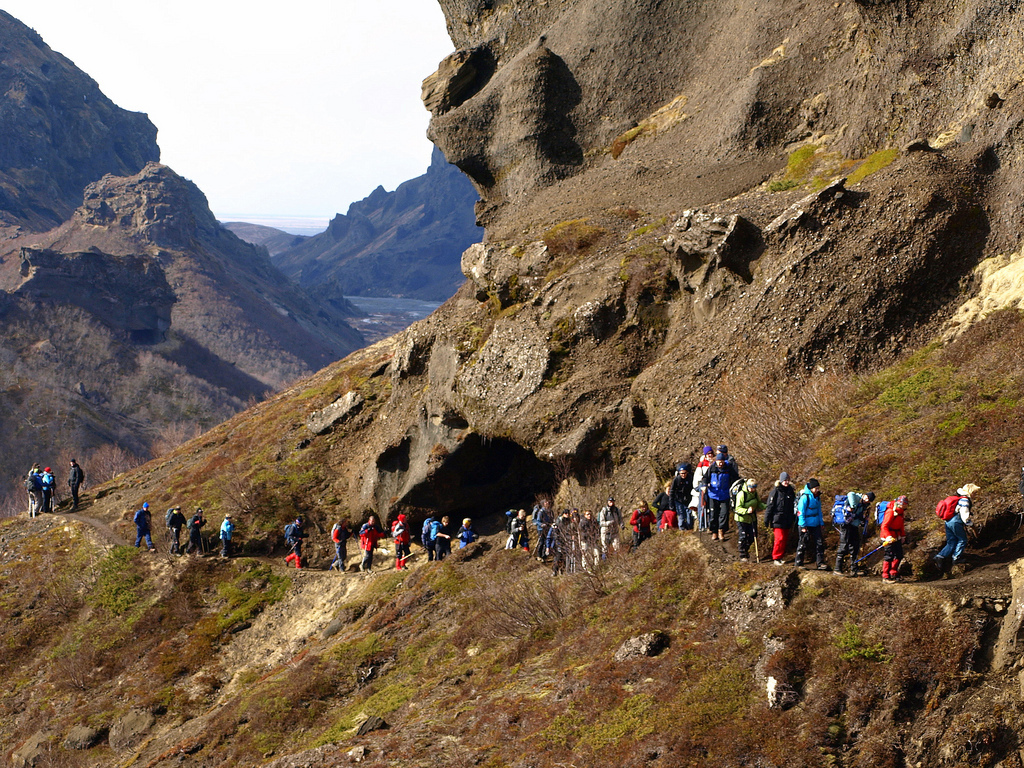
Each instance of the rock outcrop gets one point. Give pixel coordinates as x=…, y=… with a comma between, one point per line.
x=402, y=243
x=58, y=132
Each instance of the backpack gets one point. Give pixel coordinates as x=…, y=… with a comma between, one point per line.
x=435, y=526
x=735, y=488
x=880, y=510
x=31, y=483
x=289, y=532
x=946, y=508
x=839, y=510
x=425, y=533
x=509, y=517
x=167, y=517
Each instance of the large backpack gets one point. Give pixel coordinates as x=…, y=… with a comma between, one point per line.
x=425, y=536
x=735, y=488
x=880, y=509
x=839, y=510
x=289, y=532
x=167, y=517
x=946, y=508
x=33, y=483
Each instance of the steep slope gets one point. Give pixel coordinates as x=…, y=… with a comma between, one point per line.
x=274, y=240
x=58, y=132
x=402, y=243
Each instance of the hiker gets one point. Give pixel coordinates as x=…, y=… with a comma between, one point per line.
x=680, y=494
x=543, y=517
x=719, y=478
x=175, y=522
x=294, y=533
x=809, y=520
x=893, y=533
x=369, y=535
x=519, y=536
x=227, y=528
x=47, y=482
x=642, y=519
x=748, y=504
x=400, y=533
x=590, y=540
x=141, y=520
x=851, y=529
x=195, y=532
x=467, y=535
x=339, y=536
x=427, y=536
x=664, y=512
x=609, y=519
x=707, y=458
x=559, y=542
x=780, y=515
x=76, y=477
x=956, y=512
x=34, y=486
x=510, y=518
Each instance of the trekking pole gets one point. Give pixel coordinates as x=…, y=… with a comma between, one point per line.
x=869, y=554
x=757, y=552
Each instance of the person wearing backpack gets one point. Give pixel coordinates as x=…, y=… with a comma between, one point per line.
x=956, y=512
x=680, y=493
x=810, y=522
x=427, y=537
x=294, y=533
x=34, y=487
x=851, y=529
x=339, y=537
x=47, y=481
x=175, y=522
x=141, y=520
x=780, y=515
x=519, y=536
x=467, y=535
x=369, y=535
x=76, y=477
x=642, y=519
x=542, y=520
x=720, y=478
x=893, y=533
x=609, y=520
x=227, y=531
x=400, y=533
x=748, y=504
x=195, y=533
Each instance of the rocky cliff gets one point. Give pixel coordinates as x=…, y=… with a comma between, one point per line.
x=58, y=132
x=402, y=243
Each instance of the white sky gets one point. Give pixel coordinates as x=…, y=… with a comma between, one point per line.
x=290, y=109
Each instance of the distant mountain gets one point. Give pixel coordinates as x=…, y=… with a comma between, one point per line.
x=406, y=243
x=274, y=240
x=58, y=132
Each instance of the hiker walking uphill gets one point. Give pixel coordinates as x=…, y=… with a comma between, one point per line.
x=76, y=477
x=680, y=494
x=400, y=533
x=780, y=516
x=748, y=504
x=369, y=535
x=195, y=533
x=427, y=536
x=810, y=521
x=955, y=511
x=851, y=517
x=227, y=530
x=443, y=537
x=175, y=522
x=720, y=478
x=893, y=533
x=339, y=537
x=467, y=535
x=294, y=533
x=609, y=519
x=142, y=528
x=642, y=519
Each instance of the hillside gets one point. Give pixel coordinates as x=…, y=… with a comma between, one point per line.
x=790, y=228
x=274, y=240
x=405, y=243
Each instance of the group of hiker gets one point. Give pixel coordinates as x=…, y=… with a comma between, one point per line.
x=175, y=521
x=41, y=483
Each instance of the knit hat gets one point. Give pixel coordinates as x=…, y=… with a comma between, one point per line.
x=723, y=449
x=900, y=504
x=812, y=484
x=719, y=457
x=783, y=477
x=869, y=496
x=708, y=450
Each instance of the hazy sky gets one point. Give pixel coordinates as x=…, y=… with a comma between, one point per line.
x=291, y=108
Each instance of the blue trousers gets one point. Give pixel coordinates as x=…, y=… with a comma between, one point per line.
x=956, y=539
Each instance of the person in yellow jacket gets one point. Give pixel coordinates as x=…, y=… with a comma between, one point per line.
x=748, y=504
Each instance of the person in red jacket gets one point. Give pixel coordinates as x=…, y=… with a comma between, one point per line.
x=400, y=533
x=369, y=535
x=893, y=535
x=642, y=519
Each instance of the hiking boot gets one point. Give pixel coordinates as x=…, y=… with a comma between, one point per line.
x=744, y=559
x=779, y=563
x=821, y=567
x=837, y=572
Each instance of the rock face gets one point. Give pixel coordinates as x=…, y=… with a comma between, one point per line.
x=402, y=243
x=58, y=132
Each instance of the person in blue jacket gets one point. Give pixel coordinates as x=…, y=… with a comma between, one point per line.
x=809, y=521
x=48, y=482
x=720, y=478
x=226, y=529
x=142, y=530
x=466, y=534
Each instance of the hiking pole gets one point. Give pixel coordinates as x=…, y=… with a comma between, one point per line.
x=869, y=554
x=757, y=552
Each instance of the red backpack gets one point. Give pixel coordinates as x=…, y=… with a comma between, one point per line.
x=946, y=508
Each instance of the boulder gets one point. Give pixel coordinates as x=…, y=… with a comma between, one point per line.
x=347, y=405
x=30, y=753
x=129, y=729
x=81, y=737
x=372, y=723
x=648, y=644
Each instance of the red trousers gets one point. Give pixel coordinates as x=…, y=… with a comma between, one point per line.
x=781, y=539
